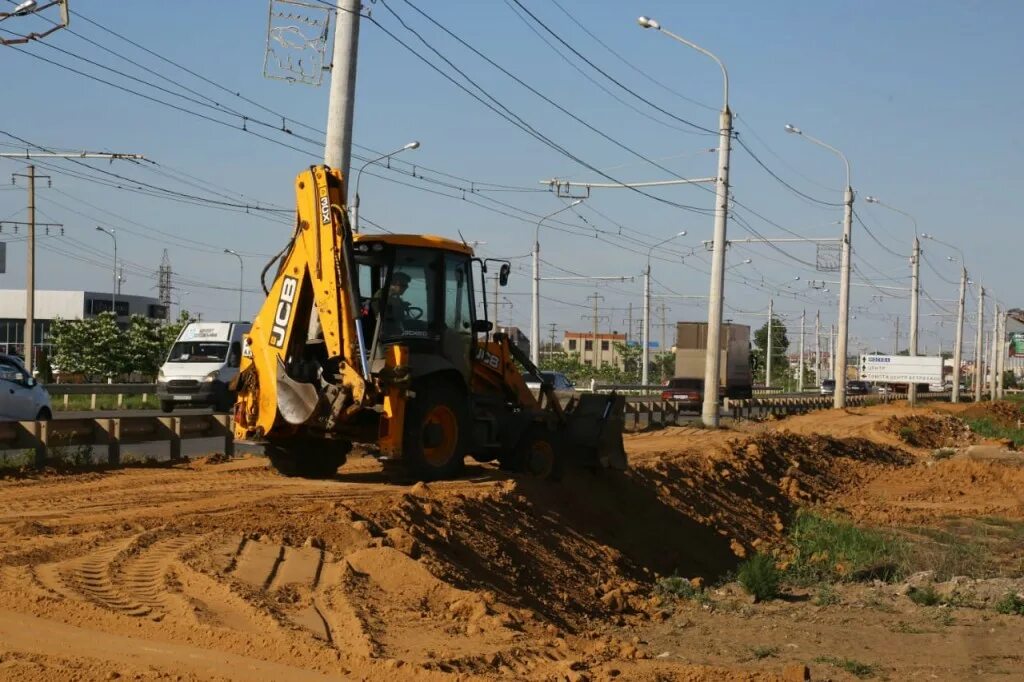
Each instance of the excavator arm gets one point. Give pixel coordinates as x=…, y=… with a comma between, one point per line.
x=305, y=351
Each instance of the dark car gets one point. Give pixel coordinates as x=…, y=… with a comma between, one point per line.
x=857, y=388
x=828, y=387
x=684, y=391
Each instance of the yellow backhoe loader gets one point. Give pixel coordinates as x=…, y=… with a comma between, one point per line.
x=383, y=339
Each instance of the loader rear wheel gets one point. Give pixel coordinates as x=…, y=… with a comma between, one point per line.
x=435, y=432
x=539, y=454
x=308, y=458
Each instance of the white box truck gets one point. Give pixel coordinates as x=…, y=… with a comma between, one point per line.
x=202, y=362
x=735, y=378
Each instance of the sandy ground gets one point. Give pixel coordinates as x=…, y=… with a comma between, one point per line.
x=217, y=570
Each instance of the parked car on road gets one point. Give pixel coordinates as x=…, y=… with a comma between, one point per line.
x=857, y=388
x=21, y=396
x=828, y=387
x=684, y=391
x=564, y=388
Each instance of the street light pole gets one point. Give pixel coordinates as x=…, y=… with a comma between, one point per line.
x=993, y=359
x=355, y=200
x=113, y=292
x=712, y=364
x=768, y=354
x=645, y=353
x=979, y=350
x=915, y=290
x=535, y=299
x=241, y=278
x=839, y=398
x=958, y=349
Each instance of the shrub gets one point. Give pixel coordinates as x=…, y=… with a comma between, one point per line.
x=675, y=586
x=759, y=577
x=855, y=668
x=826, y=596
x=924, y=596
x=1012, y=604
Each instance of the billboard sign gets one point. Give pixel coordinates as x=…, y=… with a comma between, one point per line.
x=901, y=369
x=1016, y=344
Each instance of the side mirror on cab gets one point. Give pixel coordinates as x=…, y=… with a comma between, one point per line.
x=503, y=274
x=482, y=326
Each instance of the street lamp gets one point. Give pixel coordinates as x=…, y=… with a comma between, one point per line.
x=712, y=364
x=113, y=292
x=646, y=351
x=958, y=345
x=915, y=289
x=355, y=204
x=535, y=299
x=241, y=278
x=839, y=397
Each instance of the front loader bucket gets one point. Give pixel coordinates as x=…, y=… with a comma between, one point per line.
x=593, y=430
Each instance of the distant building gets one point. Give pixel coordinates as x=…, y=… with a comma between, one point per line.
x=66, y=305
x=517, y=337
x=581, y=346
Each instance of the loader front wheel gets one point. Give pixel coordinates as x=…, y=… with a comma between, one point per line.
x=308, y=458
x=435, y=432
x=538, y=454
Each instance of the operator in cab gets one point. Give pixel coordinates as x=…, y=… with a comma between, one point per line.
x=393, y=308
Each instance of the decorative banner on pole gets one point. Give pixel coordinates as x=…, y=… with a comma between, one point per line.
x=3, y=257
x=297, y=41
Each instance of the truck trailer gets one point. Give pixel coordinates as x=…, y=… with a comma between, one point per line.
x=735, y=379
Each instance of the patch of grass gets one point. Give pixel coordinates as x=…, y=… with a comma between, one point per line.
x=943, y=453
x=908, y=435
x=924, y=596
x=988, y=427
x=1012, y=604
x=762, y=652
x=677, y=587
x=826, y=595
x=906, y=628
x=759, y=577
x=855, y=668
x=16, y=459
x=944, y=617
x=104, y=402
x=831, y=549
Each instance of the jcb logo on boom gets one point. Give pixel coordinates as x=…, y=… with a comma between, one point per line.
x=284, y=311
x=325, y=210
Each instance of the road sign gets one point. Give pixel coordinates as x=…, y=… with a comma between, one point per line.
x=1016, y=344
x=920, y=369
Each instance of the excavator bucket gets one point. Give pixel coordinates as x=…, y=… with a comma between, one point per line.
x=593, y=430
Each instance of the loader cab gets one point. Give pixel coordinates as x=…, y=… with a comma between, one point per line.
x=417, y=291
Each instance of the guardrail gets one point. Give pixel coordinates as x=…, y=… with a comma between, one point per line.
x=112, y=433
x=798, y=405
x=93, y=390
x=656, y=388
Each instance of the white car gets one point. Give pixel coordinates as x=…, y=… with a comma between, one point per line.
x=564, y=388
x=22, y=398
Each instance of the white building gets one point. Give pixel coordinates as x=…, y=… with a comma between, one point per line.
x=66, y=305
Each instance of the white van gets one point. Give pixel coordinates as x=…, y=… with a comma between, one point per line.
x=202, y=362
x=22, y=398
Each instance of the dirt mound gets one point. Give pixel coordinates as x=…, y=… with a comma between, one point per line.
x=929, y=430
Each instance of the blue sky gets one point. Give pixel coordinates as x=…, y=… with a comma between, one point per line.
x=920, y=95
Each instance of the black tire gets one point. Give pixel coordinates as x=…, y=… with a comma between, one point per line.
x=44, y=415
x=167, y=406
x=308, y=458
x=436, y=433
x=539, y=453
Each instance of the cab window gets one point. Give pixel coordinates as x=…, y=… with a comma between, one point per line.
x=457, y=301
x=408, y=306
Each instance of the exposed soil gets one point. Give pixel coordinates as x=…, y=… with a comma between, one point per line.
x=221, y=569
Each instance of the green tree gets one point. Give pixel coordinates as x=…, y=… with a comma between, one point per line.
x=780, y=343
x=663, y=367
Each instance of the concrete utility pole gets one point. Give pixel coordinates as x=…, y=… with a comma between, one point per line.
x=552, y=328
x=645, y=353
x=832, y=352
x=241, y=278
x=341, y=101
x=768, y=353
x=896, y=344
x=817, y=348
x=1000, y=356
x=30, y=293
x=800, y=381
x=594, y=348
x=915, y=292
x=979, y=347
x=535, y=299
x=992, y=358
x=959, y=346
x=664, y=326
x=629, y=323
x=839, y=364
x=113, y=291
x=710, y=408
